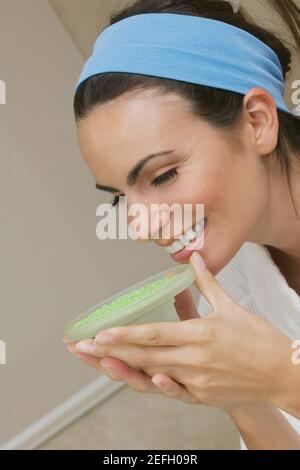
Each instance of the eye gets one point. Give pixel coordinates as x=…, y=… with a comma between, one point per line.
x=116, y=199
x=164, y=177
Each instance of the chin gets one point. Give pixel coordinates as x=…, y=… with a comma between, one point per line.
x=217, y=251
x=217, y=259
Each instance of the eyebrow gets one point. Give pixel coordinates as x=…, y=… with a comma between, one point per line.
x=134, y=173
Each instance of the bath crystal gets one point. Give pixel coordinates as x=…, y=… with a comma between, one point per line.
x=124, y=301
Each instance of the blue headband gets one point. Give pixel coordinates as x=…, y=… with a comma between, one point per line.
x=188, y=48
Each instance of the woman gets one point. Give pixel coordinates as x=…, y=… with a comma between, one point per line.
x=239, y=154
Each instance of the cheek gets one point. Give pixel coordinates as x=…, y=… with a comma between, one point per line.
x=234, y=205
x=211, y=187
x=225, y=186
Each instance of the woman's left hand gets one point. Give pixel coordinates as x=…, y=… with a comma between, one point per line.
x=229, y=357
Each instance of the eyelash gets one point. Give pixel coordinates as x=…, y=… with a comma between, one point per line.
x=115, y=201
x=161, y=179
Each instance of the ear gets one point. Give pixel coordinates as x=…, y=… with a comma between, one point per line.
x=262, y=116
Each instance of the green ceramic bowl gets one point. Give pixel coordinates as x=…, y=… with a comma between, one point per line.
x=149, y=301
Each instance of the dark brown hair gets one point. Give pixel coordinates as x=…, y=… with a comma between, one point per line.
x=221, y=108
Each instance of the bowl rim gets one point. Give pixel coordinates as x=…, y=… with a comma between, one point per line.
x=141, y=307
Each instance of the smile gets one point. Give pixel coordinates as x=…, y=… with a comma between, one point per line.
x=187, y=238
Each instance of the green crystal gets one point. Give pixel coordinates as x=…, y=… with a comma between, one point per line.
x=125, y=300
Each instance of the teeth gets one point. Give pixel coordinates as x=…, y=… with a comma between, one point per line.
x=176, y=246
x=200, y=226
x=186, y=238
x=191, y=234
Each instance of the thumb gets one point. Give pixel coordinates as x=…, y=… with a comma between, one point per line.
x=184, y=305
x=206, y=282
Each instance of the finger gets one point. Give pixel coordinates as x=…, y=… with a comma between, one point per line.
x=184, y=305
x=95, y=363
x=206, y=282
x=157, y=334
x=130, y=356
x=89, y=343
x=71, y=346
x=66, y=339
x=173, y=389
x=118, y=371
x=145, y=356
x=89, y=360
x=137, y=380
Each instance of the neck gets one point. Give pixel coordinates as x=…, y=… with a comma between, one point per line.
x=279, y=230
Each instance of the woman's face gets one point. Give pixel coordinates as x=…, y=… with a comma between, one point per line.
x=218, y=168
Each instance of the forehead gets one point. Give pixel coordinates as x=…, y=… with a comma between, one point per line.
x=146, y=118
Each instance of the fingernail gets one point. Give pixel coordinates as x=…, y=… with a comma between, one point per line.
x=109, y=369
x=112, y=374
x=103, y=339
x=85, y=347
x=103, y=364
x=198, y=261
x=156, y=381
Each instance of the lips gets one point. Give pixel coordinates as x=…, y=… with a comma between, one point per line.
x=183, y=255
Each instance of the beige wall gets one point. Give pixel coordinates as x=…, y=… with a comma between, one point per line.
x=52, y=265
x=84, y=18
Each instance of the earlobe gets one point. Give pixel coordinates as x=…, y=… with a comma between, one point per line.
x=267, y=138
